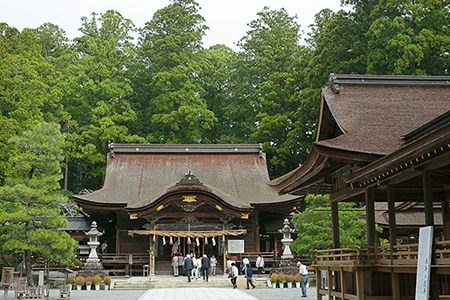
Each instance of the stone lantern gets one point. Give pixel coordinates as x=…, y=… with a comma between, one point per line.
x=93, y=243
x=93, y=266
x=287, y=265
x=286, y=240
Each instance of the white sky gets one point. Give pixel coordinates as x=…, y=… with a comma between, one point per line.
x=227, y=19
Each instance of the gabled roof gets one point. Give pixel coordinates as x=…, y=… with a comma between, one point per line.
x=137, y=176
x=361, y=119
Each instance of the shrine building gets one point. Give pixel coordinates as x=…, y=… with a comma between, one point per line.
x=185, y=199
x=383, y=142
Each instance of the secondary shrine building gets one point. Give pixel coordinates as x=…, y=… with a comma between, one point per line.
x=383, y=142
x=186, y=199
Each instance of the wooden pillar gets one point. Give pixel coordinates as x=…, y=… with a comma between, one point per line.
x=118, y=232
x=446, y=218
x=359, y=285
x=335, y=225
x=392, y=220
x=329, y=283
x=428, y=198
x=370, y=216
x=395, y=286
x=393, y=240
x=343, y=283
x=225, y=227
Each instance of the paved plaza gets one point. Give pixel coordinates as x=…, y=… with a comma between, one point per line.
x=185, y=294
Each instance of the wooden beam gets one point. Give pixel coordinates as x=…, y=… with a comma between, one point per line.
x=329, y=282
x=370, y=217
x=428, y=198
x=446, y=219
x=395, y=286
x=392, y=220
x=335, y=225
x=343, y=283
x=359, y=285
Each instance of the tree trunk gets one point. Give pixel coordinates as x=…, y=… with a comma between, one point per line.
x=28, y=268
x=66, y=173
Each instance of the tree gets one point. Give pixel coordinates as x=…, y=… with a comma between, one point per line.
x=314, y=226
x=98, y=100
x=30, y=215
x=273, y=57
x=29, y=92
x=169, y=93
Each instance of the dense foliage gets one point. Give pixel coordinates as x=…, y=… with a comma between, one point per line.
x=165, y=87
x=30, y=212
x=315, y=230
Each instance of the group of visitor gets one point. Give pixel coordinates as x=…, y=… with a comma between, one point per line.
x=193, y=267
x=233, y=271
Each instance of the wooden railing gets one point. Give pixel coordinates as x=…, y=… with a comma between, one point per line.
x=402, y=255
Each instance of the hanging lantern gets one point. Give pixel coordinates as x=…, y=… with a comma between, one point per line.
x=189, y=241
x=223, y=238
x=154, y=238
x=206, y=241
x=171, y=241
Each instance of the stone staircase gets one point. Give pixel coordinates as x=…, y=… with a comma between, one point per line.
x=167, y=281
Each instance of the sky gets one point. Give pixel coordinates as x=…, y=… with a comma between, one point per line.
x=227, y=19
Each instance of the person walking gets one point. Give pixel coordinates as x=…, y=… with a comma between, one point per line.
x=213, y=263
x=249, y=276
x=180, y=265
x=234, y=274
x=206, y=264
x=245, y=262
x=175, y=265
x=260, y=264
x=188, y=266
x=104, y=247
x=302, y=270
x=194, y=270
x=198, y=265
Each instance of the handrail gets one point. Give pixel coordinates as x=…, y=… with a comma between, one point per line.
x=381, y=252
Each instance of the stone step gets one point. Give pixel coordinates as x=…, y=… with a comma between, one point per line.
x=181, y=282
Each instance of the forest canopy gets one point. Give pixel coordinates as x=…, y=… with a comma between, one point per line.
x=165, y=87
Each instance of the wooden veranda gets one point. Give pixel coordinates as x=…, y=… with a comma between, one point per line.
x=346, y=269
x=381, y=139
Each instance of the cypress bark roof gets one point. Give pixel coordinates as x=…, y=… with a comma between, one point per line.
x=363, y=118
x=139, y=175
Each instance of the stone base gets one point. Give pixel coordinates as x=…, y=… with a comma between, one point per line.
x=92, y=269
x=287, y=267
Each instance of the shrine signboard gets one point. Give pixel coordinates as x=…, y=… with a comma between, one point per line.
x=235, y=246
x=7, y=276
x=424, y=263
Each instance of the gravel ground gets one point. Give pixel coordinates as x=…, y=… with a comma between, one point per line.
x=285, y=294
x=261, y=294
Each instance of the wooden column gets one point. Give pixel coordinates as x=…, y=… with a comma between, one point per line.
x=370, y=216
x=446, y=218
x=335, y=225
x=428, y=198
x=391, y=214
x=118, y=232
x=393, y=240
x=329, y=282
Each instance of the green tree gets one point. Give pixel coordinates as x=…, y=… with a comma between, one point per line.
x=314, y=226
x=98, y=97
x=29, y=92
x=273, y=57
x=30, y=212
x=169, y=93
x=221, y=92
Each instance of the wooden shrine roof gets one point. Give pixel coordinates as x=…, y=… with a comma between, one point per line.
x=138, y=175
x=363, y=118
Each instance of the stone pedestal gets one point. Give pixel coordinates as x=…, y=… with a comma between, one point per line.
x=287, y=264
x=93, y=266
